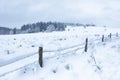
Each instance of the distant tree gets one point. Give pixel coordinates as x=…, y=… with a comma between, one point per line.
x=4, y=30
x=50, y=28
x=14, y=31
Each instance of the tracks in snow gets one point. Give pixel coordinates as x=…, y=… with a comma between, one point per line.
x=29, y=59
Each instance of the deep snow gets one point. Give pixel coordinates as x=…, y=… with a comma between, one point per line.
x=64, y=56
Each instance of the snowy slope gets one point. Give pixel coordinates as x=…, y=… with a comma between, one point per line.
x=64, y=56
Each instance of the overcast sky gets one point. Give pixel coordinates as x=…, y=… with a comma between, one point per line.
x=15, y=13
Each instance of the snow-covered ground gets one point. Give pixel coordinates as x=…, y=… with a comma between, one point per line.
x=63, y=55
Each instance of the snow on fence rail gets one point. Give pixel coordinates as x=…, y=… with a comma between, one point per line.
x=84, y=46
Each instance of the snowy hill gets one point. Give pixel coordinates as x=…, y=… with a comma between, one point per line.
x=63, y=55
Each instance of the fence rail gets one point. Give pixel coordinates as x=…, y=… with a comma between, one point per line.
x=63, y=51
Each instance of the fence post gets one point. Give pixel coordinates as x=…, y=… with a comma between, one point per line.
x=110, y=35
x=102, y=38
x=86, y=44
x=41, y=57
x=117, y=34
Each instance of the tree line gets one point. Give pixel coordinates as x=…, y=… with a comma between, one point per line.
x=43, y=27
x=40, y=27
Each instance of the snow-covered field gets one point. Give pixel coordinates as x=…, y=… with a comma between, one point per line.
x=63, y=55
